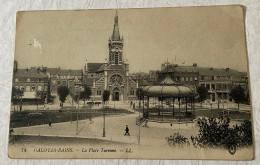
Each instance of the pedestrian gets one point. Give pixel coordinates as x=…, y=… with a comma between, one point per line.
x=134, y=106
x=50, y=123
x=127, y=131
x=131, y=103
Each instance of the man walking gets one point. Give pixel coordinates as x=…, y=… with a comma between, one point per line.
x=127, y=131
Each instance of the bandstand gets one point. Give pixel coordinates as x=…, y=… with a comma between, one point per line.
x=170, y=91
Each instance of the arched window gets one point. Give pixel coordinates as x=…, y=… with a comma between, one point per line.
x=132, y=91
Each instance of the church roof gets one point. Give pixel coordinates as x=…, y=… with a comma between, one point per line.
x=94, y=67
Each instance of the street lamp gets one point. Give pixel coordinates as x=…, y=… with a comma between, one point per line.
x=104, y=126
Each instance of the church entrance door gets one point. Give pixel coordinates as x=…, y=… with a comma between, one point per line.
x=116, y=94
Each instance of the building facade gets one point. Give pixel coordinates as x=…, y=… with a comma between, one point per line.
x=62, y=77
x=218, y=81
x=31, y=81
x=112, y=75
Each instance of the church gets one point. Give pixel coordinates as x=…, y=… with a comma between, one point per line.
x=112, y=75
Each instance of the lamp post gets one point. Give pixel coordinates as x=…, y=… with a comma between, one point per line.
x=104, y=126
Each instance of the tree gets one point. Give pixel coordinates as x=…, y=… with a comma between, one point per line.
x=139, y=94
x=16, y=94
x=85, y=95
x=238, y=94
x=202, y=92
x=39, y=95
x=63, y=92
x=106, y=95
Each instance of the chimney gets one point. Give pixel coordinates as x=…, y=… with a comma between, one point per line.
x=227, y=69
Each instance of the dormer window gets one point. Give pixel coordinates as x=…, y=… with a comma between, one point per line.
x=16, y=80
x=39, y=79
x=28, y=80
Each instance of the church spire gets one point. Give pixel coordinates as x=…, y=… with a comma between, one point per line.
x=116, y=36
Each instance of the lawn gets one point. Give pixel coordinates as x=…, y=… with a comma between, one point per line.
x=30, y=118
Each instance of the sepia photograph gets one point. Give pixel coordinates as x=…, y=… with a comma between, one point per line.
x=151, y=83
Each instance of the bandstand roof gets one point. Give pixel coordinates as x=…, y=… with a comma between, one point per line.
x=168, y=91
x=168, y=88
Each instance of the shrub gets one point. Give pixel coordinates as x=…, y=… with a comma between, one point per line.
x=216, y=132
x=177, y=140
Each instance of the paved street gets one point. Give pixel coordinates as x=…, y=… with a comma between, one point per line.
x=114, y=126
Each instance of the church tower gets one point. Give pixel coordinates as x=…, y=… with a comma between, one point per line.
x=115, y=44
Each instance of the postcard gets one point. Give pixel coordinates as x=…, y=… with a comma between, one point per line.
x=152, y=83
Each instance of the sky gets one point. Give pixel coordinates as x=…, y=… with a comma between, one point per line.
x=208, y=36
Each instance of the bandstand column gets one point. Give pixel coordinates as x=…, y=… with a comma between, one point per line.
x=186, y=100
x=147, y=107
x=173, y=106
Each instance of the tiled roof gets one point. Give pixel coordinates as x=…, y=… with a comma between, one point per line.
x=94, y=67
x=29, y=73
x=70, y=72
x=167, y=81
x=58, y=71
x=52, y=71
x=204, y=70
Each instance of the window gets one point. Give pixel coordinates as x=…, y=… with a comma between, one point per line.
x=98, y=92
x=218, y=87
x=182, y=78
x=191, y=78
x=213, y=86
x=187, y=78
x=202, y=77
x=16, y=80
x=212, y=77
x=28, y=80
x=202, y=85
x=195, y=78
x=16, y=87
x=208, y=86
x=132, y=92
x=219, y=96
x=213, y=97
x=58, y=82
x=33, y=88
x=39, y=79
x=224, y=86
